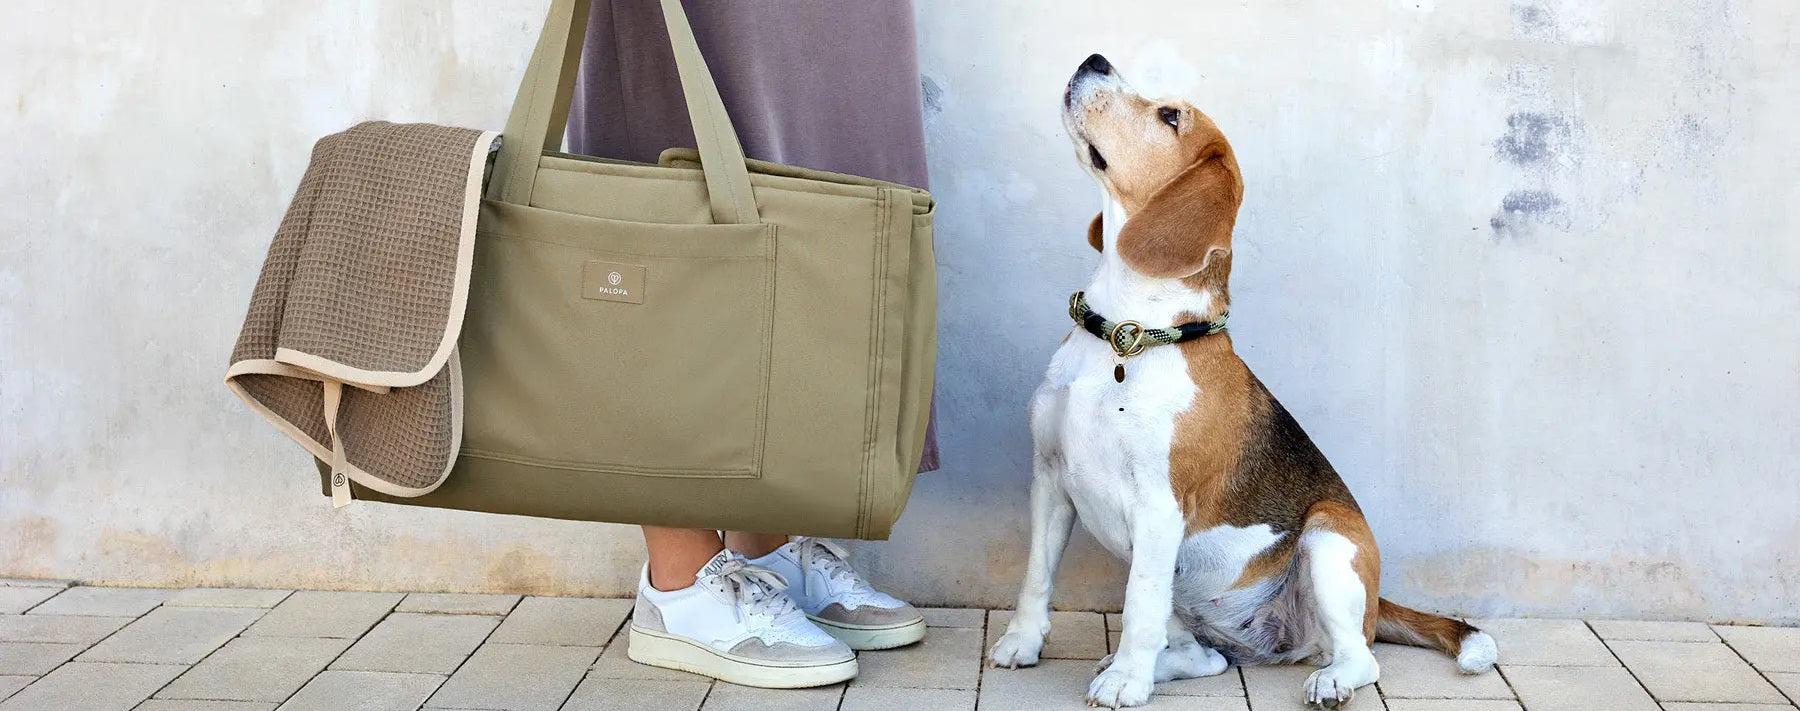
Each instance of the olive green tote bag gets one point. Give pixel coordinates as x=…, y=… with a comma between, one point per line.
x=709, y=342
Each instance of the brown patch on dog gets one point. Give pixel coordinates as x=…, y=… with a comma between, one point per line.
x=1348, y=521
x=1208, y=438
x=1214, y=278
x=1095, y=233
x=1205, y=449
x=1185, y=226
x=1403, y=625
x=1237, y=457
x=1272, y=561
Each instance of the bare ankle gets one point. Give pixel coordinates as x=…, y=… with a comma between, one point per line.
x=753, y=545
x=678, y=554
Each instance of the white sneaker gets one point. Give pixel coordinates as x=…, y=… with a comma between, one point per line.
x=735, y=623
x=836, y=598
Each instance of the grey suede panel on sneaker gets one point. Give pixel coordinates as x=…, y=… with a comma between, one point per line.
x=870, y=615
x=645, y=616
x=790, y=653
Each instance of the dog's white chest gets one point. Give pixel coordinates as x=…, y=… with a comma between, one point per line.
x=1113, y=437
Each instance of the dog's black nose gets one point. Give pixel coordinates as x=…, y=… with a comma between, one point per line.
x=1097, y=64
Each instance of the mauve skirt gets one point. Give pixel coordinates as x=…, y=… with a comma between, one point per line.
x=830, y=85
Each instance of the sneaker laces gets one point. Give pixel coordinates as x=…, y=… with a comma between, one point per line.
x=746, y=586
x=831, y=556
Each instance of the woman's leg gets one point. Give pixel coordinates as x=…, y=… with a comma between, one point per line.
x=677, y=554
x=753, y=545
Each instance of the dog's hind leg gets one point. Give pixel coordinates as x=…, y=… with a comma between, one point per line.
x=1341, y=568
x=1052, y=516
x=1184, y=657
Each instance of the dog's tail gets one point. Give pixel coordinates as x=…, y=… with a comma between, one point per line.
x=1474, y=649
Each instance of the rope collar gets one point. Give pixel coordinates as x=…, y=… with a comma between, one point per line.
x=1129, y=338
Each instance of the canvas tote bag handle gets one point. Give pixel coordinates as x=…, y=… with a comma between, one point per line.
x=541, y=112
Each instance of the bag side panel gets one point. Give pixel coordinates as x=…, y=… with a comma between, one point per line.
x=920, y=378
x=888, y=351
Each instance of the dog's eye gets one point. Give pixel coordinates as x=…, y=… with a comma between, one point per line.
x=1094, y=158
x=1170, y=116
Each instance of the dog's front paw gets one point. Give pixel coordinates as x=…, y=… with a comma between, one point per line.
x=1118, y=688
x=1016, y=649
x=1325, y=690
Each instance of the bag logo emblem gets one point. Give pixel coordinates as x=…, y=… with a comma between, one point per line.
x=613, y=281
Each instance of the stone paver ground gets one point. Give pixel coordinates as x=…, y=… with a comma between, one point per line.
x=81, y=648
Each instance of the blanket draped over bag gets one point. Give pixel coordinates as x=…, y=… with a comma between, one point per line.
x=349, y=346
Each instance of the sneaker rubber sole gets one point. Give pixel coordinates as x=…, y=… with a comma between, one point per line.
x=865, y=638
x=661, y=649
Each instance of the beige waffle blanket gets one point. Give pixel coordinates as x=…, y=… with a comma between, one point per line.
x=349, y=345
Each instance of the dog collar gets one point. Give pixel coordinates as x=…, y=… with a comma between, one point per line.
x=1129, y=338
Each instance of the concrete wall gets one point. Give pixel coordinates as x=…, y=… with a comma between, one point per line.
x=1527, y=271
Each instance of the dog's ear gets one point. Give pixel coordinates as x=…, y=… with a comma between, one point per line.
x=1094, y=232
x=1187, y=223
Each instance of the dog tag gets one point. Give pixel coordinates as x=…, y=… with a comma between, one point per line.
x=1119, y=372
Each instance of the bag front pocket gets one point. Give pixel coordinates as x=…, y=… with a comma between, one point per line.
x=618, y=347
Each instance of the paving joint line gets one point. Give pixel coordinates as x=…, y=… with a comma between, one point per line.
x=44, y=601
x=710, y=685
x=186, y=668
x=190, y=668
x=981, y=656
x=1792, y=701
x=626, y=620
x=1502, y=674
x=459, y=665
x=843, y=689
x=322, y=670
x=1628, y=670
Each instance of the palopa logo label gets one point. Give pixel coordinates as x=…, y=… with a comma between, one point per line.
x=614, y=278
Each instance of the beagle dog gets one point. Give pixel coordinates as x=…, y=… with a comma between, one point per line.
x=1245, y=546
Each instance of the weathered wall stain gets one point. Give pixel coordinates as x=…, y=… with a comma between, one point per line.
x=1532, y=18
x=520, y=567
x=27, y=537
x=142, y=548
x=1532, y=138
x=933, y=96
x=1696, y=137
x=1520, y=209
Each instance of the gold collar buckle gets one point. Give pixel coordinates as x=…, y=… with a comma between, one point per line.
x=1128, y=338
